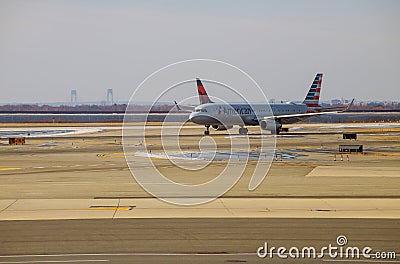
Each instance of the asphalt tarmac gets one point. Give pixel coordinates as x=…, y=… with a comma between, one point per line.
x=188, y=240
x=82, y=183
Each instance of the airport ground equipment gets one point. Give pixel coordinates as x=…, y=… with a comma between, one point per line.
x=16, y=141
x=351, y=148
x=350, y=136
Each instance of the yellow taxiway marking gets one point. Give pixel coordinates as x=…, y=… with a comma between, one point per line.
x=5, y=168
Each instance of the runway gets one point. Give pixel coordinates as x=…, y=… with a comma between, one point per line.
x=72, y=199
x=169, y=240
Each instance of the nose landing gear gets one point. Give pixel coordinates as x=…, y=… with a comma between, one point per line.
x=207, y=131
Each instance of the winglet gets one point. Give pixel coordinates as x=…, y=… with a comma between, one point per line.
x=349, y=105
x=177, y=106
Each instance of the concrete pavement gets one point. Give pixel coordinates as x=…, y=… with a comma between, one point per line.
x=46, y=209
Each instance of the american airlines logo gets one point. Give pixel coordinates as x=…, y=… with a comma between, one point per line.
x=235, y=110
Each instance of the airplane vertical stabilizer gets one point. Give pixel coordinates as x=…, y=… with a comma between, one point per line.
x=203, y=96
x=312, y=98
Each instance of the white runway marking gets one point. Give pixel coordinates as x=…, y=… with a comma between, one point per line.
x=57, y=261
x=130, y=254
x=362, y=260
x=157, y=254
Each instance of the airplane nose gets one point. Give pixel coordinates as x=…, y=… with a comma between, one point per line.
x=202, y=119
x=192, y=117
x=196, y=118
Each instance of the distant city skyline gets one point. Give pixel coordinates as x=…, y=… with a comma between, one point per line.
x=49, y=48
x=332, y=101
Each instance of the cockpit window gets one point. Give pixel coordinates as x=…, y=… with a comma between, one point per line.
x=200, y=110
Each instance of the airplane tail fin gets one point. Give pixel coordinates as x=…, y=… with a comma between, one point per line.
x=312, y=98
x=203, y=96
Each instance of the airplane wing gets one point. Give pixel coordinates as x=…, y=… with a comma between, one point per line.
x=341, y=108
x=301, y=115
x=310, y=114
x=292, y=118
x=191, y=108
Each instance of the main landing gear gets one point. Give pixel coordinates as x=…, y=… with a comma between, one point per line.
x=207, y=131
x=275, y=131
x=279, y=130
x=243, y=131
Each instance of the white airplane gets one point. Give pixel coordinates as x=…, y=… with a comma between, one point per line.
x=222, y=116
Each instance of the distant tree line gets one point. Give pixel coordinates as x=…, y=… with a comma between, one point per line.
x=92, y=108
x=162, y=108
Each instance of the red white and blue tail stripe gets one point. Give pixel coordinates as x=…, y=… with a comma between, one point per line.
x=312, y=98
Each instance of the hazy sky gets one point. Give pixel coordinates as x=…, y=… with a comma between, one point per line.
x=49, y=47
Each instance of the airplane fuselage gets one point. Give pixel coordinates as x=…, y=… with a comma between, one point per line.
x=243, y=114
x=223, y=116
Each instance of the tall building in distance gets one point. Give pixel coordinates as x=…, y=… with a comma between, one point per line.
x=110, y=97
x=74, y=97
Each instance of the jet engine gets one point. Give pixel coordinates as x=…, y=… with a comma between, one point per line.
x=270, y=125
x=222, y=127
